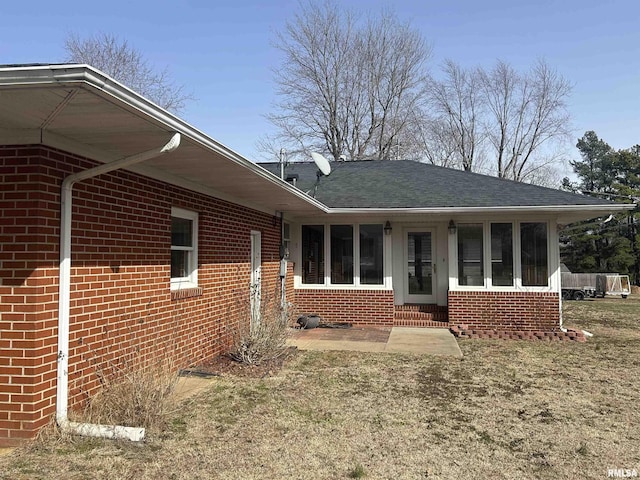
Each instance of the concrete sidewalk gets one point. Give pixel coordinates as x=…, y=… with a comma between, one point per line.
x=431, y=341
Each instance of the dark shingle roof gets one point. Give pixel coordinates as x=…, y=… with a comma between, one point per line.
x=410, y=184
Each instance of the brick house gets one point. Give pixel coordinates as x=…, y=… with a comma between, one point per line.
x=412, y=244
x=125, y=230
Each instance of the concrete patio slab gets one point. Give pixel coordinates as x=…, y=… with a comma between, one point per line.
x=430, y=341
x=313, y=344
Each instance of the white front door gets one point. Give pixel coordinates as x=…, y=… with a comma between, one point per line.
x=256, y=271
x=419, y=266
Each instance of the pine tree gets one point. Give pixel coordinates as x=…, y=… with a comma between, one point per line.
x=607, y=245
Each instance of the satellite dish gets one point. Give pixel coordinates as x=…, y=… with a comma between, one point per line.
x=322, y=163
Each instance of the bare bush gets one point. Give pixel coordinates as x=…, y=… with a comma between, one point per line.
x=135, y=390
x=137, y=397
x=263, y=339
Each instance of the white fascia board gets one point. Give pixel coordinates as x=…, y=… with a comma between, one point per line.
x=555, y=209
x=85, y=76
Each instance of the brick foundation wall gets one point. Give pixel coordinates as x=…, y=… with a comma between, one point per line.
x=505, y=311
x=360, y=307
x=122, y=311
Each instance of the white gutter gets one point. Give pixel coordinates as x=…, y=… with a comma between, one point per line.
x=62, y=393
x=597, y=208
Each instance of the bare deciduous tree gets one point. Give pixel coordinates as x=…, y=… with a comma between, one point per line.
x=499, y=121
x=125, y=64
x=525, y=112
x=457, y=104
x=347, y=87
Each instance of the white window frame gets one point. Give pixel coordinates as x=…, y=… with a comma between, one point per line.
x=355, y=285
x=191, y=280
x=483, y=263
x=517, y=262
x=515, y=246
x=519, y=259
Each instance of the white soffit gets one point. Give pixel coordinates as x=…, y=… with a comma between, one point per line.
x=73, y=105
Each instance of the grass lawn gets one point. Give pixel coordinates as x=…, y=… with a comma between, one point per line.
x=507, y=409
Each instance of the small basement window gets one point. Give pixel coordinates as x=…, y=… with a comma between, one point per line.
x=184, y=248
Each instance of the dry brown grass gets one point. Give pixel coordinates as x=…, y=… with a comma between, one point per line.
x=507, y=409
x=135, y=397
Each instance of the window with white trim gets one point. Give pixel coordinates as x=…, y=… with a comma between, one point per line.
x=371, y=254
x=184, y=248
x=533, y=254
x=502, y=254
x=313, y=254
x=470, y=254
x=355, y=254
x=342, y=254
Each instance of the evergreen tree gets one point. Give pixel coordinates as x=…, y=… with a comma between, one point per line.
x=607, y=245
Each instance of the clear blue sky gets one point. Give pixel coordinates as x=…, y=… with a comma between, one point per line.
x=222, y=50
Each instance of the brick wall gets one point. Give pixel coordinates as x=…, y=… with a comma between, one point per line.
x=360, y=307
x=121, y=306
x=510, y=311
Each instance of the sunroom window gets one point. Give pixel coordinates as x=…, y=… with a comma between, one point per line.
x=313, y=254
x=470, y=255
x=371, y=248
x=533, y=255
x=502, y=254
x=355, y=254
x=341, y=254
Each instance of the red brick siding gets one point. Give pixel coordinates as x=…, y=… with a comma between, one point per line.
x=360, y=307
x=121, y=306
x=510, y=311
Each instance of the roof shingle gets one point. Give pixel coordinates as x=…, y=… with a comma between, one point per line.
x=410, y=184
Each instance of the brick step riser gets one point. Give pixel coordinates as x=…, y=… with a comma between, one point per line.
x=420, y=308
x=420, y=324
x=438, y=316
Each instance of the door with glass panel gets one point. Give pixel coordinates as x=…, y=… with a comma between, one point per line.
x=420, y=272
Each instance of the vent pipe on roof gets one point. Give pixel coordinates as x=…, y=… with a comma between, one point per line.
x=62, y=392
x=283, y=162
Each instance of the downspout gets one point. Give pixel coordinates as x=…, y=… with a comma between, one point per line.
x=283, y=269
x=62, y=392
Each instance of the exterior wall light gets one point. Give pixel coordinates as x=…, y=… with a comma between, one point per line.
x=452, y=227
x=387, y=228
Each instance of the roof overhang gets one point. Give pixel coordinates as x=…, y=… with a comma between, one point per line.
x=83, y=111
x=565, y=214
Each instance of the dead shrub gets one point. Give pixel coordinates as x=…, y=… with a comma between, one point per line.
x=261, y=340
x=135, y=397
x=135, y=391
